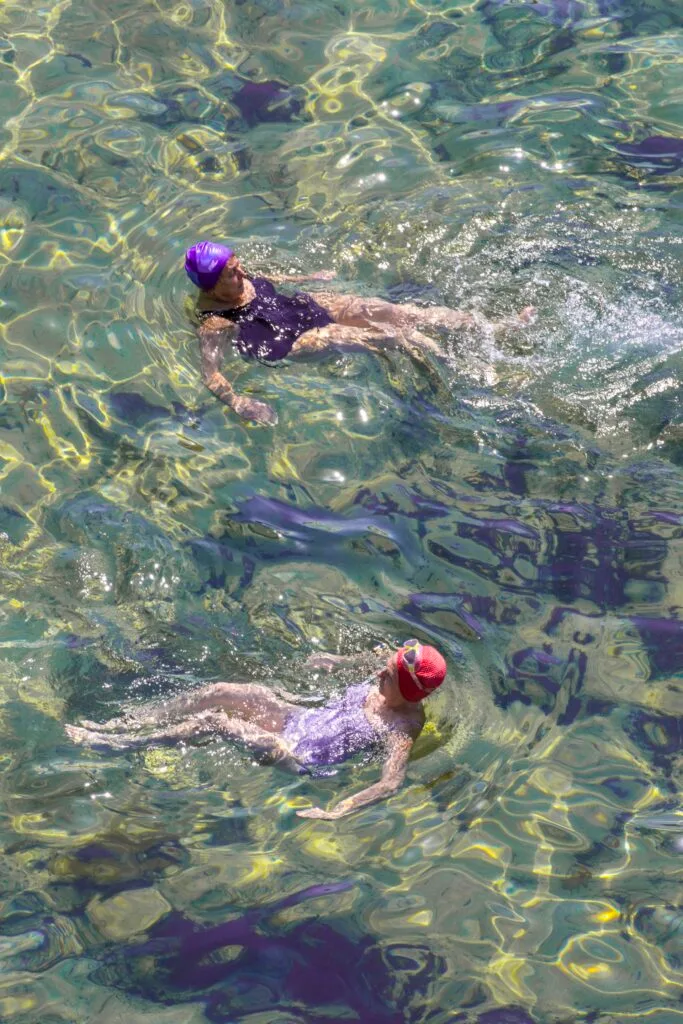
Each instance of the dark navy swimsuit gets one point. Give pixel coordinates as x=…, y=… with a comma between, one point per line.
x=270, y=324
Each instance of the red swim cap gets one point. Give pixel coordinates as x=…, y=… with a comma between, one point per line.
x=419, y=680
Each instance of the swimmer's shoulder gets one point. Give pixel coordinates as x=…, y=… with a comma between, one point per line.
x=410, y=724
x=206, y=308
x=263, y=287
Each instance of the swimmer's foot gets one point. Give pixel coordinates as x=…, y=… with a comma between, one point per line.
x=422, y=342
x=101, y=740
x=512, y=324
x=525, y=317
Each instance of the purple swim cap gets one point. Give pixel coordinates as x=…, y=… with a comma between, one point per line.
x=204, y=263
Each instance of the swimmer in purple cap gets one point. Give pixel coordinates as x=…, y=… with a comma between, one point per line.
x=267, y=325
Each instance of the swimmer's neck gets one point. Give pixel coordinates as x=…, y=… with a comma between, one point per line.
x=396, y=706
x=229, y=298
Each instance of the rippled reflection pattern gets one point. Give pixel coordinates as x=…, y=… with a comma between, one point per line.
x=521, y=508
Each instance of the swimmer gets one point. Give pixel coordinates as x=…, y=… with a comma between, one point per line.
x=383, y=713
x=266, y=325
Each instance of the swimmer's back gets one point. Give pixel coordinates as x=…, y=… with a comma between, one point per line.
x=334, y=732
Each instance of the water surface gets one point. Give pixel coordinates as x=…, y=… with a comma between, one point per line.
x=521, y=509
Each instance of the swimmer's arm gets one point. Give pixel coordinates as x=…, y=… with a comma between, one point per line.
x=317, y=275
x=214, y=335
x=294, y=698
x=330, y=662
x=393, y=773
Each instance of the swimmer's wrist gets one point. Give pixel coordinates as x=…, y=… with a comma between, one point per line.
x=221, y=387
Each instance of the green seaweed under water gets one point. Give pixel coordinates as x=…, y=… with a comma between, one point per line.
x=520, y=508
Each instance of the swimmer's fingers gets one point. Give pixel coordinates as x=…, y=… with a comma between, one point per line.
x=318, y=812
x=121, y=724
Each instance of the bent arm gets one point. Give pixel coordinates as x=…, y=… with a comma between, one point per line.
x=296, y=698
x=393, y=774
x=214, y=336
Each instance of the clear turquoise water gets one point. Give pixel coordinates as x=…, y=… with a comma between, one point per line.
x=524, y=506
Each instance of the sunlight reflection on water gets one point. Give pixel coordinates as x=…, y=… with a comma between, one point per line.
x=520, y=508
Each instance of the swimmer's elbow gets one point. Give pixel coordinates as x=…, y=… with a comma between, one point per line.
x=390, y=785
x=386, y=790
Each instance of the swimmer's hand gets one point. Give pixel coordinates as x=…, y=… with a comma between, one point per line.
x=326, y=662
x=253, y=410
x=399, y=744
x=318, y=812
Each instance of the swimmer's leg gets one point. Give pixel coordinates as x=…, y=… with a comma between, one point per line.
x=269, y=748
x=347, y=338
x=456, y=319
x=336, y=338
x=358, y=311
x=248, y=701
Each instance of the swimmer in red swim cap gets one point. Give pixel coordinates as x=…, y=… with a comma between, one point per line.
x=384, y=714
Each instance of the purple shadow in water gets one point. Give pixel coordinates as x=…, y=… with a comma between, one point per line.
x=558, y=12
x=260, y=102
x=310, y=964
x=660, y=735
x=663, y=639
x=547, y=680
x=422, y=604
x=134, y=409
x=502, y=111
x=177, y=936
x=668, y=517
x=216, y=560
x=660, y=153
x=316, y=529
x=506, y=1015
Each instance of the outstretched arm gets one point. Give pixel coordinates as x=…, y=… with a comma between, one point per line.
x=317, y=275
x=393, y=774
x=331, y=662
x=214, y=336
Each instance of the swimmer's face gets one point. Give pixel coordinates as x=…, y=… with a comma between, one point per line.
x=229, y=284
x=388, y=682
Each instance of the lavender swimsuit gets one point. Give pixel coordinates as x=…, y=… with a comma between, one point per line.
x=333, y=733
